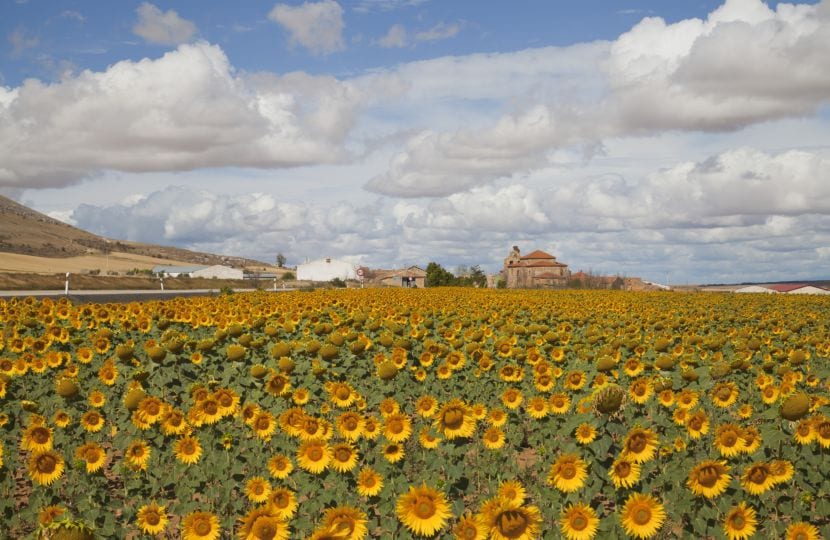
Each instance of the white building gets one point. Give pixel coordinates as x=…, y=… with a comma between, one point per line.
x=755, y=289
x=216, y=271
x=326, y=270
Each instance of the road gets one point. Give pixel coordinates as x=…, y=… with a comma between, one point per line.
x=105, y=296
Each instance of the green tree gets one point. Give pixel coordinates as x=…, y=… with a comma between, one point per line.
x=280, y=260
x=438, y=276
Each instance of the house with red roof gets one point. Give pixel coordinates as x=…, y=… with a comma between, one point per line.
x=537, y=269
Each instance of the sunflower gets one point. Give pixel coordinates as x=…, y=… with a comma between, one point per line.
x=624, y=473
x=455, y=419
x=585, y=433
x=493, y=438
x=641, y=390
x=257, y=489
x=575, y=380
x=537, y=407
x=725, y=394
x=666, y=397
x=397, y=427
x=49, y=514
x=512, y=398
x=393, y=452
x=108, y=373
x=752, y=440
x=350, y=425
x=151, y=518
x=507, y=520
x=426, y=406
x=804, y=433
x=96, y=399
x=92, y=421
x=188, y=450
x=423, y=510
x=709, y=478
x=264, y=425
x=745, y=411
x=544, y=382
x=781, y=470
x=802, y=531
x=758, y=478
x=92, y=455
x=640, y=444
x=282, y=502
x=496, y=417
x=262, y=523
x=697, y=424
x=343, y=457
x=200, y=526
x=578, y=522
x=389, y=406
x=559, y=403
x=822, y=430
x=150, y=410
x=740, y=522
x=228, y=401
x=642, y=515
x=427, y=439
x=137, y=455
x=687, y=399
x=348, y=521
x=314, y=456
x=45, y=467
x=729, y=440
x=769, y=394
x=469, y=527
x=443, y=372
x=633, y=367
x=371, y=428
x=369, y=482
x=279, y=385
x=512, y=491
x=291, y=420
x=37, y=438
x=568, y=473
x=173, y=422
x=61, y=419
x=280, y=466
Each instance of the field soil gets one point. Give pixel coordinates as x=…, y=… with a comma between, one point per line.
x=49, y=282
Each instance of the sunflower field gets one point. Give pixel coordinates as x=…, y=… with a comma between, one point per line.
x=437, y=413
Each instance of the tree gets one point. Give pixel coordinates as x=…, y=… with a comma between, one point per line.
x=438, y=276
x=280, y=260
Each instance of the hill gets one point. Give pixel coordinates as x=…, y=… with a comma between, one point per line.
x=28, y=236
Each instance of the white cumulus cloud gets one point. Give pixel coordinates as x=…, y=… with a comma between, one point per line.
x=395, y=37
x=185, y=110
x=163, y=28
x=317, y=26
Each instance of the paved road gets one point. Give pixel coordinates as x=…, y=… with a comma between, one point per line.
x=104, y=296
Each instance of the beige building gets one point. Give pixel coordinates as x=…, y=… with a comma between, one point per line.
x=534, y=270
x=414, y=276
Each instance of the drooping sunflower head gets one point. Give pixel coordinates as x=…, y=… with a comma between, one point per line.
x=507, y=520
x=348, y=521
x=454, y=419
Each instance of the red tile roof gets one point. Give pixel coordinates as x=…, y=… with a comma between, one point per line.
x=543, y=263
x=785, y=287
x=538, y=254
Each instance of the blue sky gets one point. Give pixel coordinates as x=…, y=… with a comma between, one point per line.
x=679, y=141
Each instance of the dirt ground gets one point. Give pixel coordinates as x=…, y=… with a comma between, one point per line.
x=50, y=282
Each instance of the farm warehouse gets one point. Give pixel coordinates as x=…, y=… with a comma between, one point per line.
x=419, y=413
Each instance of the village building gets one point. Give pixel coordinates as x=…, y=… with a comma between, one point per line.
x=217, y=271
x=413, y=276
x=326, y=270
x=535, y=270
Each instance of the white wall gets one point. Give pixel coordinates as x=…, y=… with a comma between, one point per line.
x=326, y=270
x=219, y=271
